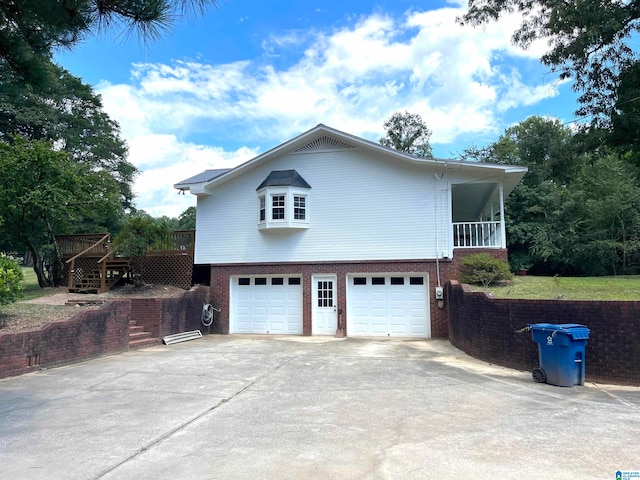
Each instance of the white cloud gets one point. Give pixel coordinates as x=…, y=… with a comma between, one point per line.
x=164, y=161
x=460, y=79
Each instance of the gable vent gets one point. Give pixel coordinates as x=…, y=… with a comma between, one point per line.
x=325, y=143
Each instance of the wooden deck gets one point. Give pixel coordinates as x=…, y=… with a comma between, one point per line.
x=92, y=265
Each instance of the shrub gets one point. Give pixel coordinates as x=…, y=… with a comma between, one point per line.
x=10, y=279
x=483, y=269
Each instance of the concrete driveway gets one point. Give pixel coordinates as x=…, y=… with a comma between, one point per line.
x=248, y=407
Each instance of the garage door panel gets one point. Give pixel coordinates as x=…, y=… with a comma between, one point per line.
x=399, y=307
x=277, y=297
x=398, y=328
x=276, y=311
x=379, y=327
x=271, y=307
x=277, y=327
x=360, y=328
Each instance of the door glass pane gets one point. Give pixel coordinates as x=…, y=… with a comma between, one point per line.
x=325, y=294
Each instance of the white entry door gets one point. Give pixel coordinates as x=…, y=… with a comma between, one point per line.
x=324, y=302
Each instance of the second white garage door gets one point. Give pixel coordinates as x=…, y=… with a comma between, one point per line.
x=388, y=305
x=271, y=305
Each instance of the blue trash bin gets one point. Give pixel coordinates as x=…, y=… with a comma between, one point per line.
x=561, y=353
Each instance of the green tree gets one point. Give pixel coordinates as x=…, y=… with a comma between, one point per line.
x=139, y=233
x=407, y=133
x=590, y=41
x=43, y=193
x=187, y=219
x=574, y=212
x=543, y=145
x=31, y=29
x=70, y=115
x=607, y=203
x=624, y=135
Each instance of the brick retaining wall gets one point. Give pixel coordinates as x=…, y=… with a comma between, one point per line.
x=484, y=328
x=92, y=333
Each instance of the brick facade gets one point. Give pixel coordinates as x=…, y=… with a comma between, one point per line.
x=92, y=333
x=221, y=281
x=484, y=328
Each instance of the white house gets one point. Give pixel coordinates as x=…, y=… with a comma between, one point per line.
x=332, y=234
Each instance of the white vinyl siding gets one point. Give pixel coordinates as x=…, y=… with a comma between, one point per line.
x=364, y=208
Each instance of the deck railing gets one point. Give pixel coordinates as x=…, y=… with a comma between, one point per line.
x=477, y=235
x=181, y=241
x=70, y=245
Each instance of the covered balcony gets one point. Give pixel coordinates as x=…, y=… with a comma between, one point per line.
x=477, y=219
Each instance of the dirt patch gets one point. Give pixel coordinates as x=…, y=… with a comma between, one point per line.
x=58, y=305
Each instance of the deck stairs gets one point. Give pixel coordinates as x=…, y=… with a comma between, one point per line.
x=91, y=281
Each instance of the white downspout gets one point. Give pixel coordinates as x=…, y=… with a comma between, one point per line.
x=503, y=230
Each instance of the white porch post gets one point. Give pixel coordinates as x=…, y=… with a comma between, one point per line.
x=503, y=230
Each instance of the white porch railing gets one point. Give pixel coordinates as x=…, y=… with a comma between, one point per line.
x=477, y=235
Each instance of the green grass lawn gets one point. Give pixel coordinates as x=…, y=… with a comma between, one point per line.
x=31, y=289
x=569, y=288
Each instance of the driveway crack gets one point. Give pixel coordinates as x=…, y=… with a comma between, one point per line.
x=192, y=420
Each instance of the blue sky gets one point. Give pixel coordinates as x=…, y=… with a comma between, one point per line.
x=218, y=90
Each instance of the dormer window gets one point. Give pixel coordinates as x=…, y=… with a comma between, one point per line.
x=283, y=201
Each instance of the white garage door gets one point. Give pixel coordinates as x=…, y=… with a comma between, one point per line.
x=388, y=305
x=263, y=304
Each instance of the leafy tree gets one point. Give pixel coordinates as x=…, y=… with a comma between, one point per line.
x=31, y=29
x=43, y=193
x=187, y=219
x=139, y=233
x=607, y=203
x=624, y=136
x=69, y=114
x=591, y=41
x=408, y=133
x=574, y=212
x=543, y=145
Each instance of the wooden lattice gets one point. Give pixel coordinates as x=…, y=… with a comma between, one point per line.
x=169, y=262
x=173, y=270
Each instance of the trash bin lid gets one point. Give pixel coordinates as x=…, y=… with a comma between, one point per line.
x=574, y=330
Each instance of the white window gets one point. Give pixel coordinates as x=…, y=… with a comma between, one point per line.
x=262, y=208
x=283, y=207
x=299, y=207
x=278, y=205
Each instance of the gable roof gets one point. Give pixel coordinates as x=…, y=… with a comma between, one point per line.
x=324, y=138
x=284, y=178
